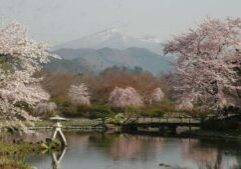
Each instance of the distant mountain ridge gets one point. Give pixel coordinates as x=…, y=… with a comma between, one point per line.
x=108, y=48
x=81, y=60
x=112, y=38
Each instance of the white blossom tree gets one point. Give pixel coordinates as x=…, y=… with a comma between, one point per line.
x=185, y=105
x=156, y=95
x=20, y=58
x=79, y=94
x=125, y=97
x=45, y=109
x=208, y=62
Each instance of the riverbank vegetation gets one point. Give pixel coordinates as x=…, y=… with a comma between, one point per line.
x=12, y=154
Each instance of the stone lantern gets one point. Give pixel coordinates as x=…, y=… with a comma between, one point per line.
x=57, y=131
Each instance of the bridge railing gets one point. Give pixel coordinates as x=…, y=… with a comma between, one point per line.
x=189, y=120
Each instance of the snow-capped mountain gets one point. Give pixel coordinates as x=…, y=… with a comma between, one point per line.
x=96, y=60
x=110, y=47
x=112, y=38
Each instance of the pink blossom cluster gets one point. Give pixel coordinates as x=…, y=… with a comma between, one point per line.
x=208, y=59
x=125, y=97
x=156, y=95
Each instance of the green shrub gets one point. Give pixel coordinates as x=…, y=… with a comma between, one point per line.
x=102, y=111
x=70, y=111
x=153, y=113
x=117, y=109
x=92, y=112
x=118, y=118
x=166, y=106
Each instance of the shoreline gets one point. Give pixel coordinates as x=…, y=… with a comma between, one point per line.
x=110, y=128
x=200, y=134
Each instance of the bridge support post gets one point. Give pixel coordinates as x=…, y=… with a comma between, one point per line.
x=173, y=129
x=133, y=128
x=190, y=128
x=162, y=129
x=129, y=128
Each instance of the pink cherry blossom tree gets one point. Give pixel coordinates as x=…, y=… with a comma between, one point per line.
x=79, y=94
x=208, y=59
x=185, y=105
x=20, y=58
x=156, y=95
x=125, y=97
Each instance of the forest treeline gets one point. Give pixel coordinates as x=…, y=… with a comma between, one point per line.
x=100, y=85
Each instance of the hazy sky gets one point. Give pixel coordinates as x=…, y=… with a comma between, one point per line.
x=58, y=21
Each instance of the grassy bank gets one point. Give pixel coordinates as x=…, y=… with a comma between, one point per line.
x=70, y=122
x=12, y=155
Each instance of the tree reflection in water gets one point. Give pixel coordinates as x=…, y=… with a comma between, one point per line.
x=128, y=147
x=208, y=156
x=205, y=154
x=134, y=151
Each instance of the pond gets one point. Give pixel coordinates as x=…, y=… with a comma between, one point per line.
x=125, y=151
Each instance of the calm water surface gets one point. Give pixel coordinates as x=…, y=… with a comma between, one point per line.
x=124, y=151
